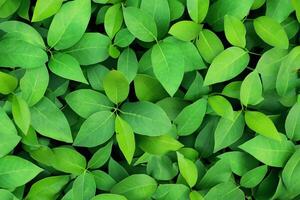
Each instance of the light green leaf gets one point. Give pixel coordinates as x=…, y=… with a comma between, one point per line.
x=232, y=89
x=209, y=45
x=92, y=48
x=116, y=86
x=225, y=190
x=235, y=31
x=140, y=24
x=253, y=177
x=270, y=152
x=49, y=121
x=221, y=106
x=136, y=187
x=66, y=66
x=194, y=195
x=158, y=145
x=69, y=24
x=191, y=117
x=125, y=138
x=109, y=197
x=168, y=66
x=16, y=171
x=21, y=113
x=187, y=169
x=84, y=187
x=233, y=60
x=296, y=5
x=278, y=9
x=113, y=20
x=261, y=124
x=7, y=195
x=292, y=123
x=68, y=160
x=44, y=9
x=197, y=9
x=100, y=157
x=96, y=129
x=146, y=118
x=185, y=30
x=8, y=83
x=128, y=64
x=103, y=180
x=123, y=38
x=96, y=74
x=228, y=131
x=9, y=7
x=34, y=84
x=271, y=32
x=86, y=102
x=48, y=188
x=251, y=89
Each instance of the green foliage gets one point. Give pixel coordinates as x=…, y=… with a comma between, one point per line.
x=149, y=99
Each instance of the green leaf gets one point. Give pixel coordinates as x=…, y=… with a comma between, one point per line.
x=233, y=60
x=158, y=145
x=96, y=129
x=296, y=5
x=14, y=51
x=86, y=102
x=271, y=32
x=116, y=86
x=100, y=157
x=116, y=170
x=261, y=124
x=281, y=14
x=34, y=84
x=290, y=173
x=68, y=160
x=161, y=167
x=270, y=152
x=66, y=66
x=123, y=38
x=48, y=188
x=221, y=106
x=92, y=48
x=225, y=190
x=96, y=74
x=197, y=9
x=191, y=117
x=251, y=89
x=69, y=24
x=103, y=181
x=136, y=187
x=185, y=30
x=125, y=138
x=232, y=90
x=194, y=195
x=16, y=171
x=165, y=57
x=45, y=9
x=7, y=195
x=109, y=197
x=172, y=191
x=84, y=187
x=209, y=45
x=253, y=177
x=229, y=131
x=9, y=7
x=235, y=31
x=140, y=24
x=113, y=20
x=128, y=64
x=49, y=121
x=146, y=118
x=187, y=169
x=292, y=124
x=21, y=113
x=8, y=83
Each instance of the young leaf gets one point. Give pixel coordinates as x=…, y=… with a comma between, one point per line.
x=96, y=129
x=271, y=32
x=100, y=157
x=66, y=66
x=135, y=187
x=21, y=113
x=185, y=30
x=292, y=124
x=116, y=86
x=235, y=31
x=140, y=24
x=191, y=117
x=251, y=89
x=221, y=106
x=165, y=57
x=253, y=177
x=49, y=121
x=125, y=138
x=113, y=20
x=261, y=124
x=8, y=83
x=187, y=169
x=233, y=60
x=146, y=118
x=197, y=9
x=45, y=9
